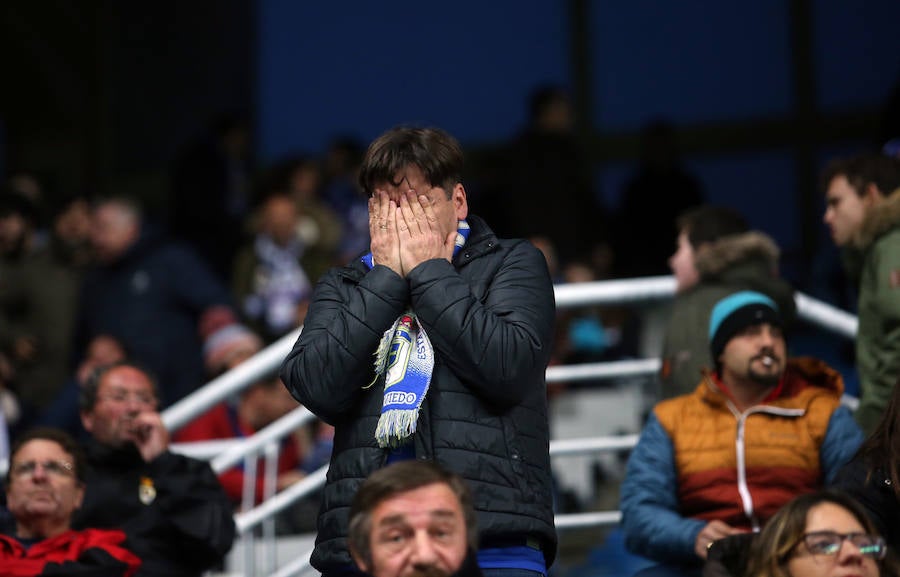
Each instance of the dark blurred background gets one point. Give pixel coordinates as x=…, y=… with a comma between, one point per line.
x=104, y=95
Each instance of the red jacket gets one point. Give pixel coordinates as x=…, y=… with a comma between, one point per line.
x=222, y=422
x=87, y=553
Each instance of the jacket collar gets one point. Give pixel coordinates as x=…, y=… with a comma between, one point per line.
x=481, y=241
x=125, y=457
x=724, y=253
x=799, y=374
x=884, y=217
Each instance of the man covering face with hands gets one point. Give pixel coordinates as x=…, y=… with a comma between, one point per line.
x=433, y=345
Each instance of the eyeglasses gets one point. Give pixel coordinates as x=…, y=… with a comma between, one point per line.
x=54, y=468
x=121, y=397
x=829, y=543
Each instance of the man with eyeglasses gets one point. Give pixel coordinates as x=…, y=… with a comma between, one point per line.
x=172, y=507
x=45, y=485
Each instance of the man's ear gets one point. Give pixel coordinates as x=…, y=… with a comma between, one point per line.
x=872, y=194
x=87, y=421
x=460, y=201
x=360, y=562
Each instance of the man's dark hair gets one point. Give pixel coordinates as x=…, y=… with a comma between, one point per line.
x=58, y=436
x=709, y=223
x=437, y=154
x=399, y=478
x=861, y=170
x=87, y=396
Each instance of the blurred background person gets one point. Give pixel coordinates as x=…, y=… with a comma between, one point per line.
x=257, y=406
x=318, y=226
x=211, y=193
x=39, y=297
x=172, y=508
x=660, y=188
x=717, y=254
x=273, y=274
x=341, y=191
x=862, y=198
x=543, y=185
x=154, y=296
x=45, y=485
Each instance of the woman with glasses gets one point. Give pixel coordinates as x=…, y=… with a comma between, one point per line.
x=821, y=534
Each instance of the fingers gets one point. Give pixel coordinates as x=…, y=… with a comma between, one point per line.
x=427, y=210
x=450, y=245
x=412, y=213
x=418, y=212
x=712, y=531
x=382, y=217
x=379, y=212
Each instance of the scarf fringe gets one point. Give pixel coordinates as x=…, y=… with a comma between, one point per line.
x=395, y=426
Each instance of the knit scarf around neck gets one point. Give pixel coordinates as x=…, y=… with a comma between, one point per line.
x=406, y=375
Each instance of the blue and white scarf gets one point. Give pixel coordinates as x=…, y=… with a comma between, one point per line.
x=406, y=375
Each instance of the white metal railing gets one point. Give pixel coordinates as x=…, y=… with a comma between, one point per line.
x=567, y=296
x=250, y=371
x=257, y=442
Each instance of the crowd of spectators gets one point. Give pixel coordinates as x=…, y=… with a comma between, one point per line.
x=87, y=283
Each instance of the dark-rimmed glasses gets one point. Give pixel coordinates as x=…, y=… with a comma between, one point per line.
x=829, y=543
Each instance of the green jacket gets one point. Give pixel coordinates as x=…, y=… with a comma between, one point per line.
x=38, y=300
x=878, y=339
x=746, y=261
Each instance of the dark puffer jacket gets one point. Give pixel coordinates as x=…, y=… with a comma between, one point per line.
x=874, y=490
x=490, y=318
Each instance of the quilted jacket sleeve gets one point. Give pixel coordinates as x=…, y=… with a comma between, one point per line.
x=345, y=322
x=497, y=343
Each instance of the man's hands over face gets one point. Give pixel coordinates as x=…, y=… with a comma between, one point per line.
x=408, y=234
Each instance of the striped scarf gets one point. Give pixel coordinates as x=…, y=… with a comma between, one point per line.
x=406, y=375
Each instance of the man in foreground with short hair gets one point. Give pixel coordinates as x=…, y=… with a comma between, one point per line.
x=434, y=346
x=759, y=430
x=414, y=518
x=45, y=485
x=172, y=507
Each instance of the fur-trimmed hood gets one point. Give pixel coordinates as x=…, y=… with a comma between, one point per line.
x=884, y=217
x=724, y=253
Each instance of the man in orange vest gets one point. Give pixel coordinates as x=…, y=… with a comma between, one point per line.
x=758, y=430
